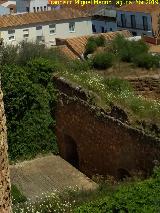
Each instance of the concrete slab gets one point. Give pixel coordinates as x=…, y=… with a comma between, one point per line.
x=46, y=174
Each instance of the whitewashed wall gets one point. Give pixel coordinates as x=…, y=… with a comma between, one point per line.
x=4, y=10
x=22, y=4
x=82, y=27
x=139, y=21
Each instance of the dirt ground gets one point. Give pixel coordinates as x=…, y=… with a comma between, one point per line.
x=127, y=70
x=46, y=174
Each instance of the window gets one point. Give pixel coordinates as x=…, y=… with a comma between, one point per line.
x=34, y=9
x=145, y=23
x=12, y=37
x=40, y=38
x=11, y=10
x=133, y=21
x=27, y=9
x=134, y=33
x=52, y=29
x=123, y=20
x=72, y=27
x=26, y=33
x=93, y=28
x=37, y=9
x=11, y=34
x=41, y=8
x=44, y=8
x=39, y=28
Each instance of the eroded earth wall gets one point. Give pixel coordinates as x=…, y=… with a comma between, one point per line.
x=99, y=143
x=5, y=199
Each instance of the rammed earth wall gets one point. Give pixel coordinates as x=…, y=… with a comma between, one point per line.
x=96, y=143
x=5, y=200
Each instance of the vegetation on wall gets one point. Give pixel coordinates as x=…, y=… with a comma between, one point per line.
x=117, y=92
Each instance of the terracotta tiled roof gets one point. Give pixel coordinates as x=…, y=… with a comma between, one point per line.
x=77, y=44
x=67, y=52
x=134, y=7
x=40, y=17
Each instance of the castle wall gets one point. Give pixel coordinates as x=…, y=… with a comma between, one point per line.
x=104, y=144
x=5, y=199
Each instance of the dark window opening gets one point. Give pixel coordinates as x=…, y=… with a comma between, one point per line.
x=145, y=23
x=102, y=29
x=93, y=28
x=134, y=33
x=27, y=9
x=133, y=21
x=123, y=20
x=71, y=153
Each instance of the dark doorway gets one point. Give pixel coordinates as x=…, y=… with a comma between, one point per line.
x=71, y=153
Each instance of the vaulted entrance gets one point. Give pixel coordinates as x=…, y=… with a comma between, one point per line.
x=71, y=153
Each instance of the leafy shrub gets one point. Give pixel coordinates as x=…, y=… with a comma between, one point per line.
x=93, y=43
x=127, y=50
x=29, y=104
x=8, y=54
x=103, y=60
x=100, y=41
x=147, y=61
x=90, y=47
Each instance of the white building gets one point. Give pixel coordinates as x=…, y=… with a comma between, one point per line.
x=139, y=18
x=7, y=7
x=44, y=26
x=33, y=6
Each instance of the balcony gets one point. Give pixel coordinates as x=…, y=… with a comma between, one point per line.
x=134, y=27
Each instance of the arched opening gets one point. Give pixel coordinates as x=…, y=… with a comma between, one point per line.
x=122, y=174
x=71, y=153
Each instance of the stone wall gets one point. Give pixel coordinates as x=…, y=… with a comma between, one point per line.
x=5, y=200
x=97, y=143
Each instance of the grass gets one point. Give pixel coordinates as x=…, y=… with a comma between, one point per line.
x=132, y=194
x=17, y=196
x=117, y=92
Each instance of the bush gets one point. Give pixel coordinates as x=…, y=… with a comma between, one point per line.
x=8, y=54
x=29, y=99
x=100, y=41
x=93, y=43
x=103, y=60
x=147, y=61
x=90, y=47
x=127, y=50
